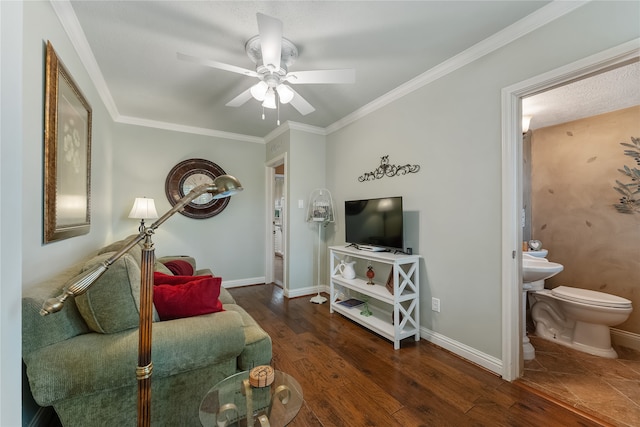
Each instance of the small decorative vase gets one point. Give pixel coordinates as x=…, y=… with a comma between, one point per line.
x=365, y=310
x=370, y=275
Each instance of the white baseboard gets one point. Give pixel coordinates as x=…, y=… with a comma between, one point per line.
x=625, y=339
x=301, y=292
x=242, y=282
x=487, y=361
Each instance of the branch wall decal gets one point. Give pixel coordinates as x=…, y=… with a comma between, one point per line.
x=630, y=202
x=385, y=169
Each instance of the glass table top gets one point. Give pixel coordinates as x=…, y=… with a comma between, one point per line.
x=229, y=401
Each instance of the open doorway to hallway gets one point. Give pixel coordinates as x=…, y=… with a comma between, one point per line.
x=278, y=225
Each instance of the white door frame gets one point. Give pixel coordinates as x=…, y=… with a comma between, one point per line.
x=512, y=362
x=270, y=248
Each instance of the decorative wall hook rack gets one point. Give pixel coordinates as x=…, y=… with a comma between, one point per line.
x=385, y=169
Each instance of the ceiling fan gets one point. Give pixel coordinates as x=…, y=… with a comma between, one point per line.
x=273, y=54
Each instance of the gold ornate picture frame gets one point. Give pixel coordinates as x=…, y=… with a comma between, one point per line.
x=67, y=154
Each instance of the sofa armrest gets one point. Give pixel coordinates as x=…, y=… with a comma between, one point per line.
x=93, y=362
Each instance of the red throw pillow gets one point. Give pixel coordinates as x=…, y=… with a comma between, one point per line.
x=193, y=298
x=166, y=279
x=179, y=267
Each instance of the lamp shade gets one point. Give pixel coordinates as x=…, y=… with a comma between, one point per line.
x=270, y=99
x=285, y=93
x=259, y=90
x=225, y=186
x=143, y=208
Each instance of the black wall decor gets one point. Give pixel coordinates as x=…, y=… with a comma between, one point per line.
x=385, y=169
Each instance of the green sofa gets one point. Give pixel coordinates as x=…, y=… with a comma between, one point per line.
x=82, y=360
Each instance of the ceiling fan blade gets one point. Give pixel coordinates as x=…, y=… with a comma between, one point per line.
x=301, y=104
x=322, y=76
x=240, y=99
x=270, y=30
x=216, y=64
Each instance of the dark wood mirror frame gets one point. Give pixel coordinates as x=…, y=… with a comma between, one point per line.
x=67, y=154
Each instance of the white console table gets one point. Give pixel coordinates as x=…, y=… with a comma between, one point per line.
x=399, y=316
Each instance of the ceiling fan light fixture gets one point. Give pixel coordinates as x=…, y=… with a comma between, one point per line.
x=259, y=90
x=285, y=93
x=270, y=99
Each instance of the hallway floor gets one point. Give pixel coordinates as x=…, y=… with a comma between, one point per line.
x=606, y=388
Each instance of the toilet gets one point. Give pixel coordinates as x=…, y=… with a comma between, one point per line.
x=578, y=318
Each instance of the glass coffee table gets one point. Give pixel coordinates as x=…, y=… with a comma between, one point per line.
x=228, y=402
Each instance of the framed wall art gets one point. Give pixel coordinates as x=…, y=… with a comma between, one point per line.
x=67, y=154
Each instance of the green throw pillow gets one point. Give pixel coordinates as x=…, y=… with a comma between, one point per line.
x=112, y=303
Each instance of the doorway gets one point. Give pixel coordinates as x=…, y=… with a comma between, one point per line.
x=278, y=218
x=512, y=188
x=276, y=242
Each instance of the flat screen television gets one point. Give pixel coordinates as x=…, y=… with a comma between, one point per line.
x=374, y=223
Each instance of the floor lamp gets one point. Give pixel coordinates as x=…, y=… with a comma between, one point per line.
x=222, y=186
x=321, y=212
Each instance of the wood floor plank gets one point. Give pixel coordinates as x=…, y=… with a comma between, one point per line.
x=353, y=377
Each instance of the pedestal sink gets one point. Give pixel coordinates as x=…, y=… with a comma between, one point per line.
x=535, y=270
x=540, y=253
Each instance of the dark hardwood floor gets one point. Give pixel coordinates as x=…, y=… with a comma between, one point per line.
x=352, y=377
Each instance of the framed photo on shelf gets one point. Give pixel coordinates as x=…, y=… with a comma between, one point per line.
x=389, y=284
x=67, y=154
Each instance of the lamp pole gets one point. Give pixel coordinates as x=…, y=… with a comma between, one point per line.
x=222, y=186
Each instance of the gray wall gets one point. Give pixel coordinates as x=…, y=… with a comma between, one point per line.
x=305, y=153
x=40, y=25
x=306, y=172
x=231, y=243
x=10, y=209
x=452, y=129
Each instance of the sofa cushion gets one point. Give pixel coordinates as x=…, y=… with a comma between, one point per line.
x=225, y=297
x=257, y=343
x=177, y=297
x=161, y=268
x=180, y=267
x=112, y=303
x=93, y=363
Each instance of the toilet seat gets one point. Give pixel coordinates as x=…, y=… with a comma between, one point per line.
x=586, y=296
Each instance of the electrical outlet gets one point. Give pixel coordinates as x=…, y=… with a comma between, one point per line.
x=435, y=304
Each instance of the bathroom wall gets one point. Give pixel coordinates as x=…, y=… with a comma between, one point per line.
x=574, y=168
x=526, y=186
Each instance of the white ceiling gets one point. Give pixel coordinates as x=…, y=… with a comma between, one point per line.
x=609, y=91
x=129, y=48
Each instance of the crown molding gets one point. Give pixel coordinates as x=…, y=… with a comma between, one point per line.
x=72, y=27
x=188, y=129
x=529, y=23
x=289, y=125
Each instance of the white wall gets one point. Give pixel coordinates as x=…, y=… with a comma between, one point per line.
x=452, y=129
x=231, y=243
